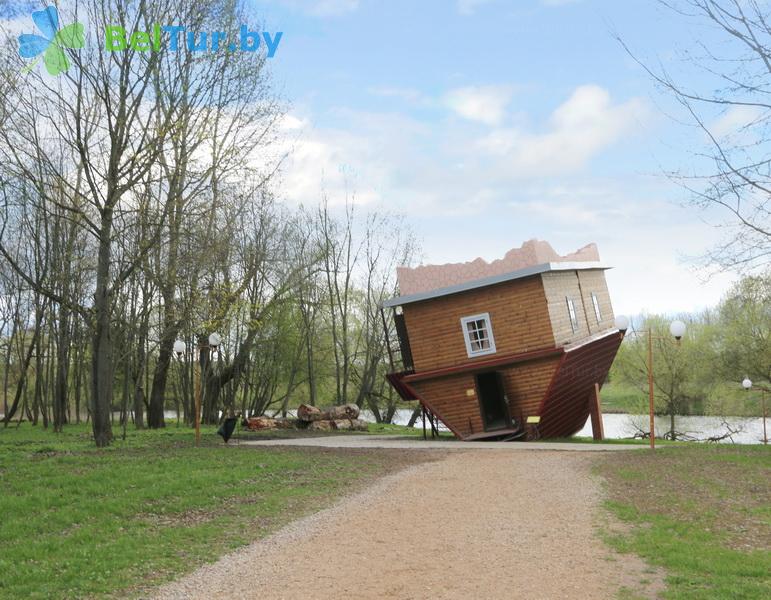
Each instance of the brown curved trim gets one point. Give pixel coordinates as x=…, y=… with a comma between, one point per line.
x=551, y=384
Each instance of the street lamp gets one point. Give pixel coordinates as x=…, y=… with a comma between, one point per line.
x=214, y=340
x=747, y=385
x=677, y=329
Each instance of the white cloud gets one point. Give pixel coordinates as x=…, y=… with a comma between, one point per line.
x=464, y=203
x=443, y=167
x=485, y=104
x=735, y=121
x=579, y=128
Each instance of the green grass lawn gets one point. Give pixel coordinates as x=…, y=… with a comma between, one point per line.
x=77, y=521
x=700, y=512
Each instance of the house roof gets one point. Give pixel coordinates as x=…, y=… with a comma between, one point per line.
x=549, y=267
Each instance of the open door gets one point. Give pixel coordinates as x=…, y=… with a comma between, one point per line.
x=492, y=401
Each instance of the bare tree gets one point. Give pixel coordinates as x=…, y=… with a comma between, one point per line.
x=732, y=107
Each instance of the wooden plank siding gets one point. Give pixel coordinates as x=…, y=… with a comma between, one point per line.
x=566, y=406
x=578, y=285
x=448, y=399
x=455, y=401
x=531, y=326
x=518, y=314
x=594, y=281
x=526, y=386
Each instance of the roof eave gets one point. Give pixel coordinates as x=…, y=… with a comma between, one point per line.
x=495, y=279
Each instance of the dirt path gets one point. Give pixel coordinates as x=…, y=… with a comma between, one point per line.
x=476, y=524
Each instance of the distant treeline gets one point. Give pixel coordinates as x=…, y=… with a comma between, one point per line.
x=703, y=373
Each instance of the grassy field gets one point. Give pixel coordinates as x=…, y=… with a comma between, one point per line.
x=77, y=521
x=700, y=512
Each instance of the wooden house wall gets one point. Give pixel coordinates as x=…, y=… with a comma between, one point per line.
x=455, y=400
x=578, y=285
x=594, y=281
x=526, y=385
x=448, y=397
x=518, y=314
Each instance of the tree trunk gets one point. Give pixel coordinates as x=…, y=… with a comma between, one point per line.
x=62, y=370
x=101, y=361
x=158, y=391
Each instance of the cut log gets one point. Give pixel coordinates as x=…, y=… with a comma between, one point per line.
x=286, y=423
x=254, y=423
x=342, y=424
x=306, y=412
x=321, y=426
x=359, y=425
x=346, y=411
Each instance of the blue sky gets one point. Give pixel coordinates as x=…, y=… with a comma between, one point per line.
x=488, y=123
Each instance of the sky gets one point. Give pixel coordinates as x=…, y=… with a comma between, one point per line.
x=487, y=123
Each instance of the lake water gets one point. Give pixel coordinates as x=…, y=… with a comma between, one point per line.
x=619, y=426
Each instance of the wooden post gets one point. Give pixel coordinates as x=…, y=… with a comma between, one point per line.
x=595, y=410
x=763, y=401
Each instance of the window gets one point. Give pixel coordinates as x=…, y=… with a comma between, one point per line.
x=596, y=304
x=572, y=313
x=478, y=335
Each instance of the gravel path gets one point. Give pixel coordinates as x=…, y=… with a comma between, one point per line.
x=416, y=443
x=475, y=524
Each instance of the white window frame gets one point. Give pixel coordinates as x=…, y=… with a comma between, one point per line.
x=572, y=314
x=597, y=311
x=466, y=337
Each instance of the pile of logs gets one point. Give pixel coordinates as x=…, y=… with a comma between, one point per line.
x=340, y=418
x=336, y=418
x=255, y=423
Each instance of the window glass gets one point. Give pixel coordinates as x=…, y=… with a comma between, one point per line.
x=572, y=314
x=596, y=305
x=478, y=334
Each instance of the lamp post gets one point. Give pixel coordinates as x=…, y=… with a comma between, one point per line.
x=214, y=340
x=677, y=330
x=179, y=349
x=747, y=385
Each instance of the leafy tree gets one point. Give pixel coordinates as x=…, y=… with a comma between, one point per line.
x=743, y=331
x=679, y=368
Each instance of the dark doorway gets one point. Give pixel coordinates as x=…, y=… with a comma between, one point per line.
x=492, y=400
